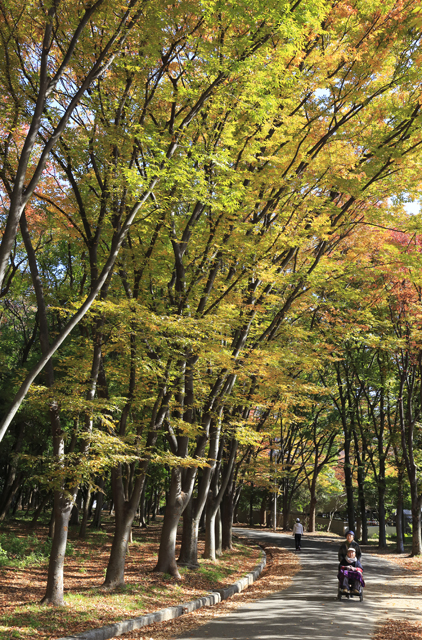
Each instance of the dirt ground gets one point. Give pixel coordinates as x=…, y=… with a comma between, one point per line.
x=408, y=590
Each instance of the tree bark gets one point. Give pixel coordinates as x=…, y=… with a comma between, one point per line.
x=189, y=548
x=188, y=556
x=399, y=515
x=312, y=505
x=382, y=540
x=176, y=504
x=214, y=501
x=62, y=510
x=39, y=509
x=10, y=494
x=125, y=512
x=96, y=521
x=218, y=533
x=251, y=497
x=348, y=477
x=85, y=511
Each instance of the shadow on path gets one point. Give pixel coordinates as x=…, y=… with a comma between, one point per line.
x=309, y=608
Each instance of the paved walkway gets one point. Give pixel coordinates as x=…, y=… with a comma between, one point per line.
x=309, y=610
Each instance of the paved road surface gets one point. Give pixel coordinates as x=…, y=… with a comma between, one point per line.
x=308, y=609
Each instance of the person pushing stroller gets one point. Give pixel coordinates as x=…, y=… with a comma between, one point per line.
x=345, y=546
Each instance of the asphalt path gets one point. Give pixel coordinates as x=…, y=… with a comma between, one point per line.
x=309, y=608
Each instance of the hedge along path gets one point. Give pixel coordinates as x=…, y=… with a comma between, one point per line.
x=170, y=613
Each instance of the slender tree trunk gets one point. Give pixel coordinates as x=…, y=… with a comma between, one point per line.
x=362, y=507
x=214, y=501
x=349, y=479
x=96, y=521
x=263, y=511
x=407, y=426
x=195, y=509
x=312, y=504
x=91, y=504
x=51, y=525
x=74, y=516
x=211, y=512
x=227, y=513
x=218, y=533
x=399, y=516
x=382, y=540
x=39, y=509
x=360, y=458
x=251, y=497
x=142, y=503
x=8, y=495
x=87, y=499
x=286, y=505
x=416, y=521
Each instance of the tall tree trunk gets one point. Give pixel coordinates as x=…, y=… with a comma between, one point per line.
x=10, y=494
x=125, y=512
x=382, y=540
x=142, y=504
x=87, y=499
x=39, y=509
x=13, y=479
x=96, y=521
x=62, y=510
x=361, y=497
x=227, y=513
x=218, y=533
x=195, y=509
x=416, y=520
x=251, y=497
x=188, y=556
x=125, y=509
x=263, y=511
x=407, y=427
x=399, y=515
x=228, y=505
x=348, y=477
x=176, y=504
x=214, y=501
x=286, y=504
x=312, y=505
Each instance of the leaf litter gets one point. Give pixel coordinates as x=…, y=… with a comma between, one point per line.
x=88, y=606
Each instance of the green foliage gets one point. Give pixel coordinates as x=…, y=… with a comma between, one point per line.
x=25, y=551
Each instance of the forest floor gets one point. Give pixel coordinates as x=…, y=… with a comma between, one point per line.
x=23, y=571
x=391, y=627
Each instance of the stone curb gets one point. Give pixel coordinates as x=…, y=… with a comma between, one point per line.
x=117, y=629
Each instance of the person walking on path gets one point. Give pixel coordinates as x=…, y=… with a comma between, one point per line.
x=347, y=544
x=297, y=532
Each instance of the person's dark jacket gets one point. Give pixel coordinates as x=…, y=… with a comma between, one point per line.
x=342, y=552
x=350, y=565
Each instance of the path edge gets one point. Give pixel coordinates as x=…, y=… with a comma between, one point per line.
x=170, y=613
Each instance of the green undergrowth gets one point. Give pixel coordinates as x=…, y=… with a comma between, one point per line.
x=24, y=551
